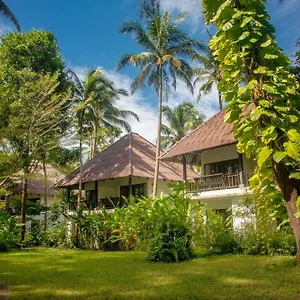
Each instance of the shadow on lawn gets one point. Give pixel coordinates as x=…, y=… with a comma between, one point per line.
x=114, y=275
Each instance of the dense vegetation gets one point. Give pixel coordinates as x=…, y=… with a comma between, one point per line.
x=44, y=106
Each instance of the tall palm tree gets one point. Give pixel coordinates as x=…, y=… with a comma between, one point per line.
x=182, y=119
x=103, y=115
x=211, y=73
x=8, y=13
x=94, y=100
x=166, y=48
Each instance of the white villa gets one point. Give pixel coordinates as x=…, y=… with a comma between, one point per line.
x=124, y=168
x=224, y=172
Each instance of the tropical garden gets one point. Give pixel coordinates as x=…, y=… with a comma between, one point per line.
x=45, y=107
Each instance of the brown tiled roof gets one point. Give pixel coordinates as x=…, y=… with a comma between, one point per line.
x=213, y=133
x=130, y=155
x=36, y=187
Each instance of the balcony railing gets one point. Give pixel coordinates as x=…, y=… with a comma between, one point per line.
x=221, y=181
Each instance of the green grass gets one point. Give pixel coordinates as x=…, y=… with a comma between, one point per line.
x=71, y=274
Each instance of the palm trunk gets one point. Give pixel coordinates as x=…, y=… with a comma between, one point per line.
x=80, y=168
x=24, y=206
x=155, y=181
x=45, y=193
x=80, y=177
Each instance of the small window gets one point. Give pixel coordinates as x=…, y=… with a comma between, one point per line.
x=138, y=190
x=222, y=167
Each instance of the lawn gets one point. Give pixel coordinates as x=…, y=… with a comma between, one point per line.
x=71, y=274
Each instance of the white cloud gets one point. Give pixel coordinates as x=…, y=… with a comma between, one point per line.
x=208, y=104
x=192, y=7
x=146, y=108
x=138, y=104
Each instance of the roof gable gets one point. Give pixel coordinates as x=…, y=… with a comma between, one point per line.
x=211, y=134
x=130, y=155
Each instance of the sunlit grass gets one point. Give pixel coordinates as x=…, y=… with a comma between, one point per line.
x=71, y=274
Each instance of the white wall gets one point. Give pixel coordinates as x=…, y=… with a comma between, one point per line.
x=218, y=154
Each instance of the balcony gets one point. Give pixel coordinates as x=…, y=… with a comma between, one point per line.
x=221, y=181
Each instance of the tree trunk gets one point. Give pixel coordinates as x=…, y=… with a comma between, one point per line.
x=220, y=101
x=45, y=193
x=80, y=177
x=295, y=222
x=24, y=207
x=80, y=154
x=290, y=191
x=158, y=138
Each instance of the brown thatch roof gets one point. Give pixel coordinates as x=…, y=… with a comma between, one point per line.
x=36, y=187
x=131, y=155
x=213, y=133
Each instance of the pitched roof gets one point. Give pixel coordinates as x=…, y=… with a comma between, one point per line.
x=211, y=134
x=131, y=155
x=35, y=187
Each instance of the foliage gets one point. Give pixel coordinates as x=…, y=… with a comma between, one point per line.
x=9, y=232
x=268, y=100
x=211, y=73
x=35, y=50
x=163, y=226
x=182, y=119
x=214, y=234
x=296, y=67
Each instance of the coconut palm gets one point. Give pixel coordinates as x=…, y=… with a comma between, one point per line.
x=103, y=116
x=8, y=13
x=210, y=73
x=163, y=59
x=94, y=99
x=181, y=119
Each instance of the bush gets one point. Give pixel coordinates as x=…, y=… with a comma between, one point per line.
x=169, y=228
x=215, y=235
x=9, y=232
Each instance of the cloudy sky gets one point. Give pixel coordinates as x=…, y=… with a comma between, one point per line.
x=87, y=33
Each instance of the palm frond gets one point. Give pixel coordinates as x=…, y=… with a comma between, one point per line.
x=8, y=13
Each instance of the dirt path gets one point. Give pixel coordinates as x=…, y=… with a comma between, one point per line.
x=3, y=291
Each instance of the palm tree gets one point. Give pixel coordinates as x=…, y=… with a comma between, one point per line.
x=182, y=119
x=8, y=13
x=165, y=47
x=94, y=100
x=211, y=73
x=103, y=116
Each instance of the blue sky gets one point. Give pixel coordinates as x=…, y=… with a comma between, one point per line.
x=87, y=33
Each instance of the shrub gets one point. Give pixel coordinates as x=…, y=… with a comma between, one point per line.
x=215, y=234
x=170, y=228
x=9, y=232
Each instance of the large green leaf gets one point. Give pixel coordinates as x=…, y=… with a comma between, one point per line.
x=263, y=155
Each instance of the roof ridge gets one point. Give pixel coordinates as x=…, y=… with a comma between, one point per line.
x=188, y=134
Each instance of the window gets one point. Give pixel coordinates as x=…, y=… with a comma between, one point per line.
x=224, y=167
x=91, y=199
x=138, y=190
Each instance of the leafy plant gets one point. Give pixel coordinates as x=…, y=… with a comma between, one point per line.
x=9, y=232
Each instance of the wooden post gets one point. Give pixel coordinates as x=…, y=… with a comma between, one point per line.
x=130, y=185
x=69, y=197
x=96, y=189
x=184, y=176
